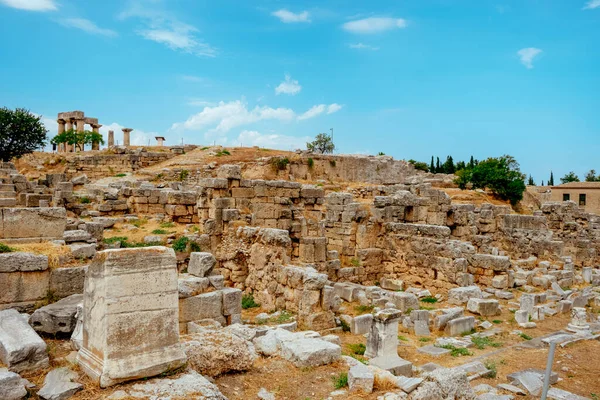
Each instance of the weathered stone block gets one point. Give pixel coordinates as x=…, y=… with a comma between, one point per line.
x=201, y=264
x=460, y=325
x=67, y=281
x=57, y=317
x=485, y=308
x=21, y=349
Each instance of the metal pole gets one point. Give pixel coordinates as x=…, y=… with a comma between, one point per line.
x=548, y=370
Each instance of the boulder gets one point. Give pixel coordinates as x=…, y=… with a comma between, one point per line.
x=11, y=386
x=201, y=264
x=309, y=352
x=21, y=349
x=59, y=385
x=59, y=317
x=83, y=250
x=360, y=379
x=462, y=295
x=444, y=383
x=485, y=308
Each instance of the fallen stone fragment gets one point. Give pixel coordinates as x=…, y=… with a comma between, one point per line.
x=408, y=384
x=360, y=379
x=21, y=349
x=59, y=385
x=559, y=394
x=306, y=352
x=511, y=388
x=57, y=317
x=12, y=386
x=433, y=351
x=264, y=394
x=201, y=264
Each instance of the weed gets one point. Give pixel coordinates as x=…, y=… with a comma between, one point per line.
x=403, y=338
x=159, y=232
x=426, y=308
x=5, y=249
x=248, y=301
x=357, y=348
x=138, y=223
x=497, y=321
x=311, y=163
x=283, y=317
x=491, y=366
x=180, y=244
x=167, y=225
x=121, y=175
x=457, y=351
x=124, y=242
x=424, y=339
x=279, y=163
x=332, y=163
x=364, y=309
x=345, y=326
x=85, y=200
x=183, y=175
x=355, y=262
x=429, y=299
x=195, y=247
x=467, y=333
x=482, y=342
x=204, y=148
x=525, y=336
x=221, y=153
x=341, y=380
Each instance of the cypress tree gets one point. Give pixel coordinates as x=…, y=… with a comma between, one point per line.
x=471, y=162
x=438, y=167
x=432, y=166
x=551, y=181
x=531, y=182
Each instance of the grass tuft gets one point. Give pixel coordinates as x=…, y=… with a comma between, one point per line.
x=248, y=301
x=340, y=381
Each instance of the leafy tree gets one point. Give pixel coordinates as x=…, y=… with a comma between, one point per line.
x=551, y=180
x=21, y=132
x=530, y=182
x=432, y=166
x=592, y=177
x=460, y=165
x=500, y=175
x=79, y=139
x=448, y=166
x=322, y=144
x=570, y=177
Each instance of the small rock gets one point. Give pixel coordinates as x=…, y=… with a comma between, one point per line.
x=59, y=385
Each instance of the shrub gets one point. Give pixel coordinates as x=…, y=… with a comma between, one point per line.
x=248, y=301
x=419, y=166
x=424, y=339
x=364, y=309
x=332, y=163
x=491, y=366
x=138, y=223
x=221, y=153
x=311, y=163
x=357, y=348
x=381, y=153
x=5, y=249
x=159, y=232
x=283, y=317
x=429, y=299
x=195, y=246
x=355, y=262
x=85, y=200
x=482, y=342
x=124, y=242
x=183, y=175
x=497, y=321
x=180, y=244
x=457, y=351
x=344, y=325
x=279, y=163
x=340, y=381
x=403, y=338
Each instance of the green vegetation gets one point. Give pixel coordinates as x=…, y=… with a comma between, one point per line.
x=424, y=339
x=323, y=144
x=344, y=325
x=467, y=333
x=570, y=177
x=591, y=176
x=279, y=163
x=167, y=225
x=5, y=249
x=491, y=365
x=195, y=247
x=248, y=301
x=205, y=148
x=357, y=348
x=159, y=232
x=364, y=309
x=482, y=342
x=381, y=153
x=183, y=175
x=283, y=317
x=403, y=338
x=419, y=166
x=426, y=308
x=355, y=262
x=180, y=244
x=85, y=200
x=138, y=223
x=124, y=242
x=340, y=381
x=223, y=152
x=77, y=139
x=311, y=163
x=497, y=321
x=457, y=351
x=525, y=336
x=332, y=163
x=429, y=299
x=120, y=175
x=21, y=132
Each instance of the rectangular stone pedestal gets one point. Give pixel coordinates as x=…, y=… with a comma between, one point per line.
x=130, y=315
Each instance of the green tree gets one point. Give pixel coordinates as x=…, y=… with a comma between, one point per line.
x=323, y=144
x=438, y=167
x=21, y=132
x=530, y=182
x=448, y=166
x=551, y=180
x=460, y=165
x=78, y=139
x=570, y=177
x=432, y=166
x=420, y=166
x=591, y=176
x=472, y=162
x=500, y=175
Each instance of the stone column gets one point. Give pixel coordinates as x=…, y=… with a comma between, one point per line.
x=127, y=137
x=382, y=343
x=131, y=314
x=111, y=138
x=68, y=127
x=96, y=129
x=61, y=129
x=80, y=128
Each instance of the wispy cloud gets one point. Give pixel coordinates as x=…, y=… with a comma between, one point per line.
x=319, y=109
x=590, y=5
x=87, y=26
x=163, y=28
x=31, y=5
x=374, y=25
x=289, y=17
x=200, y=103
x=333, y=108
x=362, y=46
x=288, y=86
x=138, y=136
x=527, y=56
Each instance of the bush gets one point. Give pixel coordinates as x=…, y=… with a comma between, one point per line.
x=5, y=249
x=195, y=247
x=344, y=325
x=120, y=175
x=221, y=153
x=183, y=175
x=311, y=163
x=159, y=232
x=340, y=381
x=419, y=166
x=85, y=200
x=124, y=242
x=21, y=132
x=279, y=163
x=322, y=144
x=248, y=301
x=429, y=299
x=357, y=348
x=525, y=336
x=180, y=244
x=364, y=309
x=491, y=366
x=482, y=342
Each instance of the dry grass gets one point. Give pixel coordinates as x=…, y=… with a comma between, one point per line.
x=58, y=256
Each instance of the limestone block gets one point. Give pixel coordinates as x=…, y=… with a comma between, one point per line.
x=201, y=264
x=202, y=306
x=189, y=285
x=130, y=313
x=360, y=379
x=23, y=289
x=67, y=281
x=404, y=301
x=361, y=324
x=21, y=349
x=307, y=352
x=462, y=295
x=13, y=262
x=11, y=386
x=33, y=223
x=460, y=325
x=485, y=308
x=83, y=250
x=77, y=235
x=232, y=301
x=59, y=384
x=392, y=284
x=57, y=317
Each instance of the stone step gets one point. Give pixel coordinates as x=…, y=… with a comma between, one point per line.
x=8, y=195
x=6, y=187
x=8, y=202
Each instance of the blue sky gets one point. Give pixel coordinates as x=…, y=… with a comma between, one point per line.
x=411, y=78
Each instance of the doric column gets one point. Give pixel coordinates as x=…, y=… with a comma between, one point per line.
x=68, y=127
x=127, y=136
x=61, y=129
x=111, y=138
x=96, y=129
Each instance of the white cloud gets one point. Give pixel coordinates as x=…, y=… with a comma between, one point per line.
x=527, y=56
x=271, y=141
x=87, y=26
x=289, y=17
x=225, y=116
x=31, y=5
x=288, y=86
x=362, y=46
x=138, y=136
x=200, y=103
x=374, y=25
x=333, y=108
x=165, y=29
x=590, y=5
